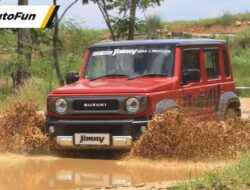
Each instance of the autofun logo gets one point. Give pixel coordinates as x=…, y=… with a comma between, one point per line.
x=27, y=16
x=18, y=15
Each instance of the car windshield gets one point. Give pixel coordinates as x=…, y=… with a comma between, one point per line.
x=130, y=62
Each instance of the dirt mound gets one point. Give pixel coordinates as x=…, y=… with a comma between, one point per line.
x=172, y=135
x=21, y=129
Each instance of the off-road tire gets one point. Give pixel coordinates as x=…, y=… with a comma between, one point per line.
x=229, y=106
x=231, y=113
x=166, y=105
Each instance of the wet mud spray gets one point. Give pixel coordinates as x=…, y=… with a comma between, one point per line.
x=170, y=135
x=21, y=129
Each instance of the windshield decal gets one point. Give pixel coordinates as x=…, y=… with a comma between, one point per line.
x=124, y=51
x=99, y=53
x=164, y=51
x=130, y=51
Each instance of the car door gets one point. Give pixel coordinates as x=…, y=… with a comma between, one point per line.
x=194, y=96
x=213, y=76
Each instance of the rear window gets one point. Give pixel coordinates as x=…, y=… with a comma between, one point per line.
x=191, y=59
x=211, y=57
x=226, y=63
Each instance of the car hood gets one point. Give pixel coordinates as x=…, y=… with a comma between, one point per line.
x=104, y=86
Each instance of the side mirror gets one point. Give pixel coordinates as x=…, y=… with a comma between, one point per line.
x=72, y=77
x=191, y=75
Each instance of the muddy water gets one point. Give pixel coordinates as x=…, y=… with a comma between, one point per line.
x=48, y=172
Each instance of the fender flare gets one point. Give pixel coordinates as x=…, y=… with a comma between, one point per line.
x=166, y=104
x=226, y=100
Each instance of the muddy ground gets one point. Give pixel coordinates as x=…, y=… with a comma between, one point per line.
x=31, y=165
x=53, y=172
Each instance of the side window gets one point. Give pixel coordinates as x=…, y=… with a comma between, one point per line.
x=211, y=57
x=190, y=66
x=226, y=63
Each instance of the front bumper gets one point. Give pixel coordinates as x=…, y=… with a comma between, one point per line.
x=118, y=142
x=122, y=132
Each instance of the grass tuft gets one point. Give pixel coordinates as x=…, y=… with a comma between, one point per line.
x=35, y=90
x=235, y=177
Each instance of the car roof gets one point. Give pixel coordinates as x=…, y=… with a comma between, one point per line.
x=170, y=42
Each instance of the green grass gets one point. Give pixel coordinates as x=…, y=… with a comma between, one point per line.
x=7, y=41
x=226, y=19
x=235, y=177
x=240, y=56
x=35, y=90
x=241, y=65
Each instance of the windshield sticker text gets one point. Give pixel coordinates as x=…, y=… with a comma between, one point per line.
x=124, y=51
x=130, y=52
x=99, y=53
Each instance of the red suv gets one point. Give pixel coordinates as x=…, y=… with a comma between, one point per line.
x=109, y=104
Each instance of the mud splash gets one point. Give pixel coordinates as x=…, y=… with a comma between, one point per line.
x=21, y=129
x=171, y=135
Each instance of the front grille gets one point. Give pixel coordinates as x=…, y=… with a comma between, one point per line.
x=111, y=129
x=95, y=105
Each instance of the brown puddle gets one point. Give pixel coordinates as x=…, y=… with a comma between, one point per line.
x=48, y=172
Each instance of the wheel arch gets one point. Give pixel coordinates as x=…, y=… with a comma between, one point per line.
x=166, y=104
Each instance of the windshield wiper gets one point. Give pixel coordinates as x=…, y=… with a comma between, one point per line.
x=149, y=75
x=109, y=75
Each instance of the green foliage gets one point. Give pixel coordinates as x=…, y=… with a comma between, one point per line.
x=152, y=23
x=235, y=177
x=144, y=4
x=208, y=22
x=240, y=54
x=107, y=4
x=242, y=40
x=241, y=67
x=76, y=39
x=121, y=26
x=74, y=42
x=36, y=89
x=123, y=6
x=226, y=19
x=7, y=41
x=41, y=37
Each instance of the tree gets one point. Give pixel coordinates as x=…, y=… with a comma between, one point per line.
x=55, y=39
x=121, y=26
x=24, y=50
x=152, y=23
x=131, y=29
x=142, y=4
x=105, y=6
x=127, y=9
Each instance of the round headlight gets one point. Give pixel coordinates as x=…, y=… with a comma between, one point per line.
x=132, y=105
x=61, y=106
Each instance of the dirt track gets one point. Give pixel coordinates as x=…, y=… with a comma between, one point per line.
x=245, y=107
